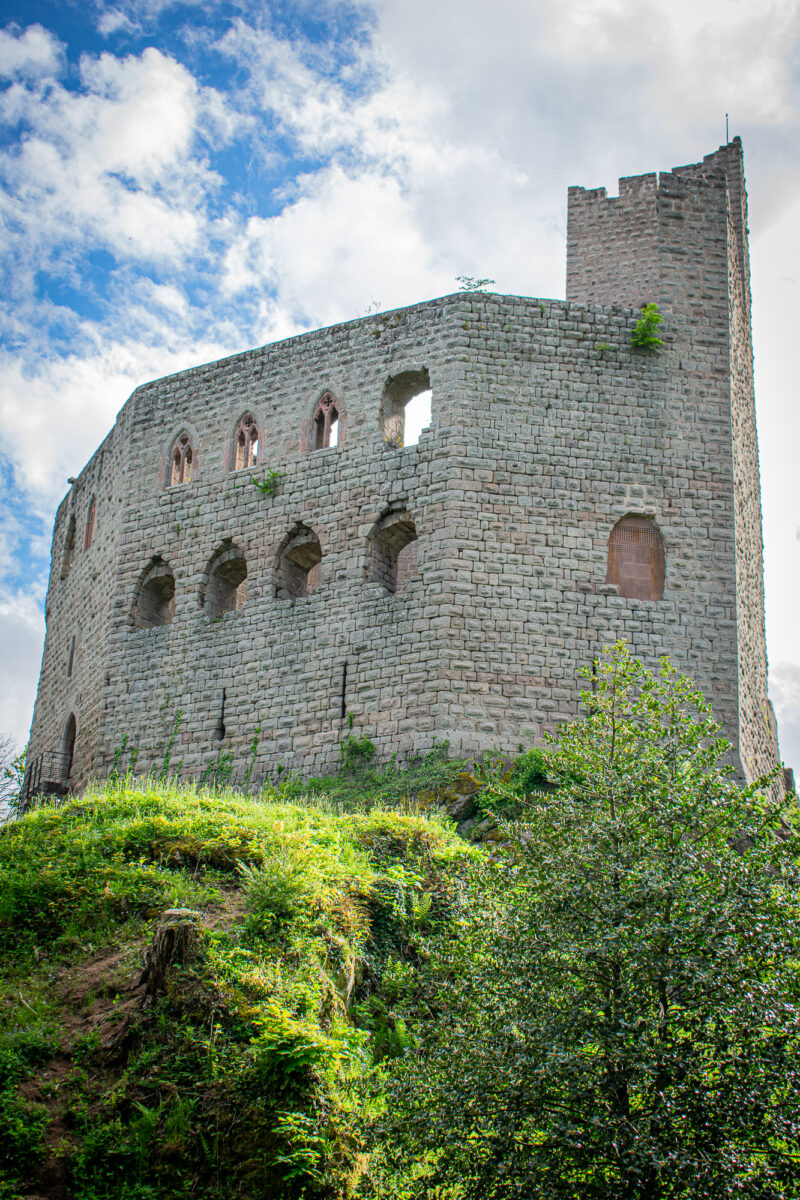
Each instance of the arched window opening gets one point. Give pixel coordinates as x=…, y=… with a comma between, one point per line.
x=155, y=597
x=69, y=547
x=636, y=559
x=181, y=461
x=71, y=657
x=88, y=533
x=68, y=750
x=298, y=569
x=406, y=407
x=392, y=552
x=326, y=422
x=245, y=443
x=225, y=586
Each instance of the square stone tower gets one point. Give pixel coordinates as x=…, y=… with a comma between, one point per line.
x=680, y=239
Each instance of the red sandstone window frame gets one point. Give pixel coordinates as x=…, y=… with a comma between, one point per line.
x=182, y=459
x=636, y=558
x=245, y=444
x=324, y=421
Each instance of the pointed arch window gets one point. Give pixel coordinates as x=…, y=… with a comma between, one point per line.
x=245, y=443
x=181, y=461
x=326, y=422
x=636, y=559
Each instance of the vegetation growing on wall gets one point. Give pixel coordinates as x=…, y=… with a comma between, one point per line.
x=644, y=334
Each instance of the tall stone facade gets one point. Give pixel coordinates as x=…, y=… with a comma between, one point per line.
x=569, y=491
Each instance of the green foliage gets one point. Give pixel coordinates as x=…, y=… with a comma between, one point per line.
x=644, y=334
x=470, y=283
x=219, y=769
x=356, y=754
x=164, y=772
x=12, y=774
x=268, y=486
x=395, y=783
x=243, y=1080
x=251, y=761
x=617, y=1014
x=279, y=891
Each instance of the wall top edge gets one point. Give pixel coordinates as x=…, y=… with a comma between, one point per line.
x=710, y=170
x=457, y=305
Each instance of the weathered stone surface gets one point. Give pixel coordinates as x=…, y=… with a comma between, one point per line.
x=547, y=430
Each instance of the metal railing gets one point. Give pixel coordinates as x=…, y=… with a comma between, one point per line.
x=47, y=775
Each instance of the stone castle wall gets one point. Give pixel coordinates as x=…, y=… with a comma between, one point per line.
x=547, y=429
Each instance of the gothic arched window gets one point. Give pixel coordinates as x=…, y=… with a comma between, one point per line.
x=326, y=422
x=245, y=443
x=636, y=559
x=181, y=461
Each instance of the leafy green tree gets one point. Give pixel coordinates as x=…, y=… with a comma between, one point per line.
x=12, y=773
x=618, y=1014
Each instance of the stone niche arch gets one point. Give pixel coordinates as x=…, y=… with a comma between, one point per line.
x=327, y=425
x=298, y=563
x=154, y=602
x=392, y=551
x=245, y=449
x=91, y=518
x=399, y=391
x=224, y=586
x=636, y=558
x=69, y=547
x=68, y=750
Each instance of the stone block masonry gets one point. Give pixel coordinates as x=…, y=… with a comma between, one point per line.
x=449, y=590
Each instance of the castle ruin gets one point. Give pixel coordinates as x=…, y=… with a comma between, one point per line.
x=570, y=490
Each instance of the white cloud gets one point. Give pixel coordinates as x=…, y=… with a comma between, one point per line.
x=784, y=688
x=115, y=164
x=114, y=20
x=33, y=53
x=21, y=639
x=54, y=415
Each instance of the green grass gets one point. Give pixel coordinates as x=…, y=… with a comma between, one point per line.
x=247, y=1077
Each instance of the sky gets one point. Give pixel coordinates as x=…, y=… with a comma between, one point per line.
x=185, y=180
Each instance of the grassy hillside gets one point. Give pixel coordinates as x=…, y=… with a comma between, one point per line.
x=239, y=1069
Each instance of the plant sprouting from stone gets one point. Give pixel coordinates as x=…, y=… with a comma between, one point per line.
x=251, y=762
x=164, y=772
x=470, y=283
x=644, y=335
x=268, y=486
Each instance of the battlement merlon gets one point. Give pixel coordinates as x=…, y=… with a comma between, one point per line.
x=623, y=249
